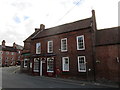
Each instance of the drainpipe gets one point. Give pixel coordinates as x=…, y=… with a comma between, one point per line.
x=119, y=43
x=118, y=57
x=93, y=36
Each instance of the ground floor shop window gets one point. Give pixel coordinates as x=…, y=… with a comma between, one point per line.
x=81, y=64
x=36, y=64
x=50, y=64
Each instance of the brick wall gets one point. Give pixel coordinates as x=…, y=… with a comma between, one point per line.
x=72, y=52
x=108, y=67
x=10, y=58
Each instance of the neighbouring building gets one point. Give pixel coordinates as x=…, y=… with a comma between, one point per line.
x=107, y=54
x=76, y=50
x=26, y=53
x=10, y=55
x=0, y=56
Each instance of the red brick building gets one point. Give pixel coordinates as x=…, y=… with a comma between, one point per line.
x=108, y=54
x=10, y=55
x=26, y=53
x=75, y=50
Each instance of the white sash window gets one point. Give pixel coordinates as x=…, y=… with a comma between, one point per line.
x=81, y=64
x=65, y=63
x=38, y=48
x=80, y=42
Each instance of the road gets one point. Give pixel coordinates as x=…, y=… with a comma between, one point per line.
x=10, y=79
x=0, y=78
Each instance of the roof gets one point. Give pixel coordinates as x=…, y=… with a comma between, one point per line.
x=30, y=37
x=19, y=47
x=81, y=24
x=8, y=48
x=108, y=36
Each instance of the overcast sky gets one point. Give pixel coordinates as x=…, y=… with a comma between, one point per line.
x=19, y=18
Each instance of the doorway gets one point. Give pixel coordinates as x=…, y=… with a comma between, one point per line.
x=40, y=66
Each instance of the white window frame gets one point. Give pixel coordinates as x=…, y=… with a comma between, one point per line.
x=7, y=53
x=62, y=45
x=1, y=52
x=83, y=43
x=34, y=65
x=49, y=46
x=25, y=60
x=30, y=64
x=19, y=52
x=0, y=58
x=12, y=53
x=79, y=64
x=63, y=63
x=37, y=45
x=53, y=65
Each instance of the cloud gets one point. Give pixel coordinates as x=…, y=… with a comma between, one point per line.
x=78, y=2
x=16, y=19
x=21, y=4
x=26, y=17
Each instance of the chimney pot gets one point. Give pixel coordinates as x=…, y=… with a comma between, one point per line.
x=37, y=29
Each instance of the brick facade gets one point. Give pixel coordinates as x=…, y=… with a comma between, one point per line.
x=102, y=51
x=10, y=55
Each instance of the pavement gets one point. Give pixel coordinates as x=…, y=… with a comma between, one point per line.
x=16, y=69
x=0, y=78
x=86, y=82
x=110, y=85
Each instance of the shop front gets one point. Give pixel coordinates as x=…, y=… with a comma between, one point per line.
x=43, y=65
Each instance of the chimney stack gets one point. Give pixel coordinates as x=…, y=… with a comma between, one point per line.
x=42, y=27
x=14, y=45
x=3, y=43
x=37, y=29
x=94, y=20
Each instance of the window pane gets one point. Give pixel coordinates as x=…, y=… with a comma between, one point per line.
x=50, y=46
x=64, y=44
x=38, y=48
x=65, y=64
x=81, y=64
x=80, y=42
x=50, y=65
x=36, y=65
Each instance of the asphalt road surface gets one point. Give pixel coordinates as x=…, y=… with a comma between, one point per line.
x=0, y=78
x=11, y=79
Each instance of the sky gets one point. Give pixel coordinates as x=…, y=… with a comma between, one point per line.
x=19, y=18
